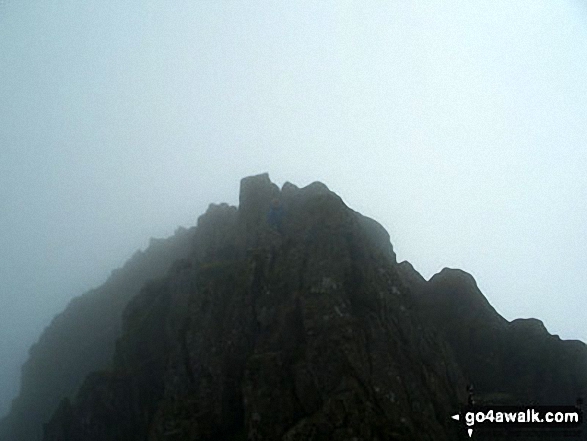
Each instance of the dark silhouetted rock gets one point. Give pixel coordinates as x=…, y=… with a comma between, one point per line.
x=516, y=362
x=308, y=334
x=81, y=339
x=309, y=331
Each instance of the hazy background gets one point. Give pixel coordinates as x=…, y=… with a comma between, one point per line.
x=461, y=128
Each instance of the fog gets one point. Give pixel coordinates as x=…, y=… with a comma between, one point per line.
x=460, y=127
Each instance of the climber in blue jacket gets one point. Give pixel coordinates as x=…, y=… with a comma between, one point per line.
x=275, y=215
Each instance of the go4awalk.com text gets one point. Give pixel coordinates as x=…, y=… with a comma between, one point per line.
x=566, y=419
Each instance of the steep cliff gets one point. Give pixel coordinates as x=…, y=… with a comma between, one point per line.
x=81, y=339
x=307, y=333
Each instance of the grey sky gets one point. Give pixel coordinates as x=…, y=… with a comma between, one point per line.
x=460, y=127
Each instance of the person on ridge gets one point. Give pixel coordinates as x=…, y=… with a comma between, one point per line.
x=275, y=215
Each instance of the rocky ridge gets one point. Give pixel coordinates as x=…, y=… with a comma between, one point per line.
x=308, y=334
x=509, y=363
x=308, y=331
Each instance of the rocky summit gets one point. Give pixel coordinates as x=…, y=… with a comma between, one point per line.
x=289, y=318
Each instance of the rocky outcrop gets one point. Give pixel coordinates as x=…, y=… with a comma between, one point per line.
x=82, y=338
x=305, y=334
x=515, y=362
x=309, y=331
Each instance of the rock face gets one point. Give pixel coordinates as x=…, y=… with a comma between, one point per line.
x=516, y=362
x=260, y=335
x=309, y=331
x=81, y=339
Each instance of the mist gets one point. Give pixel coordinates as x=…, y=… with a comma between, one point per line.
x=461, y=128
